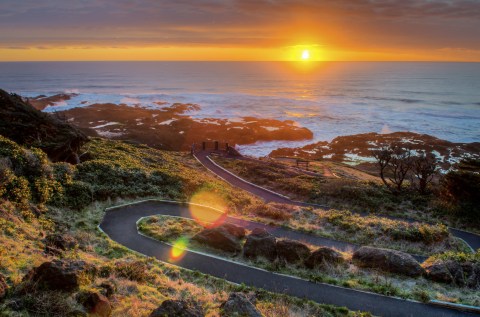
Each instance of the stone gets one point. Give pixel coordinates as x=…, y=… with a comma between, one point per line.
x=59, y=275
x=108, y=288
x=322, y=256
x=260, y=243
x=238, y=304
x=97, y=305
x=387, y=260
x=453, y=272
x=56, y=243
x=219, y=238
x=177, y=308
x=292, y=251
x=234, y=230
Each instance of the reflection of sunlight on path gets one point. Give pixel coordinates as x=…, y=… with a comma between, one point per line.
x=205, y=216
x=178, y=249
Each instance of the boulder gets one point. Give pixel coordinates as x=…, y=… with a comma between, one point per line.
x=97, y=305
x=453, y=272
x=292, y=251
x=56, y=243
x=387, y=260
x=260, y=243
x=323, y=256
x=59, y=275
x=234, y=230
x=219, y=238
x=177, y=308
x=3, y=287
x=238, y=304
x=108, y=288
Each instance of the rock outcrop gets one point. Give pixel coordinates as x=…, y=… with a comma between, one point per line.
x=387, y=260
x=59, y=275
x=219, y=238
x=24, y=124
x=57, y=243
x=238, y=304
x=177, y=308
x=97, y=305
x=453, y=272
x=323, y=256
x=292, y=251
x=260, y=243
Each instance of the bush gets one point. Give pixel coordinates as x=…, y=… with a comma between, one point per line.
x=78, y=195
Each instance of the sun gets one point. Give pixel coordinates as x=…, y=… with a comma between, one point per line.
x=306, y=55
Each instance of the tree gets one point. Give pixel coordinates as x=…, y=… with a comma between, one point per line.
x=424, y=168
x=394, y=162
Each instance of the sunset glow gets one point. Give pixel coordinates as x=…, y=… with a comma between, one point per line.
x=242, y=30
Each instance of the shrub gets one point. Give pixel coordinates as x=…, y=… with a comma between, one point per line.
x=78, y=195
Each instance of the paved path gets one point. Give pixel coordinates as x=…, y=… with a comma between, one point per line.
x=472, y=239
x=119, y=224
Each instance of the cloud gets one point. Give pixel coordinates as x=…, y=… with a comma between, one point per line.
x=349, y=24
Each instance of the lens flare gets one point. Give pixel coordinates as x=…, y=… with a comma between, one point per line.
x=208, y=217
x=179, y=249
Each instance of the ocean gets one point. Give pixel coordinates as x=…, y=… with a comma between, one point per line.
x=329, y=98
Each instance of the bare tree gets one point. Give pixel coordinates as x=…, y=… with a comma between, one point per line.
x=424, y=168
x=395, y=163
x=383, y=157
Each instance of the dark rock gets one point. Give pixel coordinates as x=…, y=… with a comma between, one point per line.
x=323, y=256
x=177, y=308
x=260, y=243
x=292, y=251
x=234, y=230
x=219, y=238
x=453, y=272
x=3, y=287
x=56, y=243
x=59, y=275
x=24, y=124
x=387, y=260
x=97, y=305
x=108, y=288
x=238, y=304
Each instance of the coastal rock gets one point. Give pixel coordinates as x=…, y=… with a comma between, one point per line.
x=59, y=275
x=234, y=230
x=453, y=272
x=97, y=305
x=387, y=260
x=260, y=243
x=3, y=287
x=177, y=308
x=56, y=243
x=219, y=238
x=24, y=124
x=323, y=256
x=292, y=251
x=238, y=304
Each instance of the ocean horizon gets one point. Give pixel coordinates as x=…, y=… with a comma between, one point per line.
x=329, y=98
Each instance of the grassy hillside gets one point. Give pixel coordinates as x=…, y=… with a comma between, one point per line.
x=40, y=200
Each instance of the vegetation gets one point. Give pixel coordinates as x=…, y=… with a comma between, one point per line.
x=349, y=275
x=38, y=198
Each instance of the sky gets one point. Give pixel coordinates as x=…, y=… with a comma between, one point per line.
x=342, y=30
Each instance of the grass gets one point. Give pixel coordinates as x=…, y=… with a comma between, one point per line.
x=108, y=176
x=347, y=275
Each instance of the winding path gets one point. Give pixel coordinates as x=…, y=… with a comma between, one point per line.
x=120, y=224
x=472, y=239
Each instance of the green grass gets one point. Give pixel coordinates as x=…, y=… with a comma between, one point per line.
x=342, y=275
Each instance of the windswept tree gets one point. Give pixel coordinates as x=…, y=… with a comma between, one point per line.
x=424, y=168
x=395, y=163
